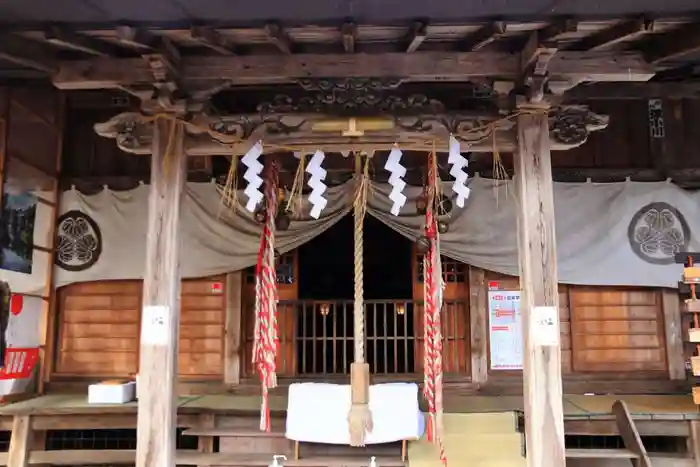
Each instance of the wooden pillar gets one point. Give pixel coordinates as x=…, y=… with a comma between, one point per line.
x=539, y=302
x=675, y=356
x=157, y=412
x=478, y=325
x=18, y=453
x=232, y=344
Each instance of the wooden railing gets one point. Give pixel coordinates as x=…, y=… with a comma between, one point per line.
x=317, y=337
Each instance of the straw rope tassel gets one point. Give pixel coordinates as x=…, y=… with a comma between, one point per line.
x=433, y=303
x=266, y=333
x=359, y=417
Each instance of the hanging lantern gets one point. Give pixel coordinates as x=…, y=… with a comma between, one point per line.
x=400, y=309
x=444, y=206
x=422, y=203
x=443, y=227
x=422, y=245
x=325, y=309
x=282, y=221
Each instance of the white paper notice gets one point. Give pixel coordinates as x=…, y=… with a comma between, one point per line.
x=544, y=327
x=155, y=326
x=505, y=330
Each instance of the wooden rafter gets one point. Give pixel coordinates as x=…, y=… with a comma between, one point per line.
x=277, y=36
x=557, y=28
x=607, y=38
x=68, y=39
x=484, y=36
x=419, y=66
x=419, y=32
x=349, y=32
x=210, y=38
x=27, y=53
x=674, y=44
x=136, y=38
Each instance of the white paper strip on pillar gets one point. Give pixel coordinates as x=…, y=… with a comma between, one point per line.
x=398, y=171
x=458, y=171
x=318, y=188
x=252, y=176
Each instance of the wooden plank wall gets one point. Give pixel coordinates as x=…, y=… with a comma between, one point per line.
x=607, y=329
x=99, y=329
x=604, y=330
x=618, y=330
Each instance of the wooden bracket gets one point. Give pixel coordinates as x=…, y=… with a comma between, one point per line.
x=534, y=63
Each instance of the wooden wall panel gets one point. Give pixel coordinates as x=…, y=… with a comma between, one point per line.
x=512, y=283
x=202, y=318
x=617, y=329
x=99, y=329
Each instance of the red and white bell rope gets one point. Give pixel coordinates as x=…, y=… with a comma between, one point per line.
x=432, y=387
x=266, y=334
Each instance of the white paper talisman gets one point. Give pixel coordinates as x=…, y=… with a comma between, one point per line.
x=155, y=326
x=544, y=326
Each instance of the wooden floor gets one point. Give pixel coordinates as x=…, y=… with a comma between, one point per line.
x=672, y=407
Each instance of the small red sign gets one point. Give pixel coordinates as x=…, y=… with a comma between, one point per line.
x=493, y=285
x=217, y=287
x=16, y=304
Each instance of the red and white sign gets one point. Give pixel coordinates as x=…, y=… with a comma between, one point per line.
x=217, y=287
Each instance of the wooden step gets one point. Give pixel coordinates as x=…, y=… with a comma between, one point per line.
x=600, y=454
x=191, y=457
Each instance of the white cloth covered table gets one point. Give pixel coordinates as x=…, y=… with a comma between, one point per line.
x=318, y=413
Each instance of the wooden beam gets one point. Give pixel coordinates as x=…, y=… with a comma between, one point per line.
x=674, y=44
x=210, y=38
x=135, y=38
x=18, y=453
x=673, y=329
x=49, y=315
x=418, y=66
x=349, y=32
x=62, y=37
x=621, y=32
x=484, y=36
x=619, y=91
x=161, y=301
x=542, y=389
x=232, y=344
x=479, y=325
x=418, y=33
x=277, y=37
x=27, y=53
x=629, y=434
x=557, y=28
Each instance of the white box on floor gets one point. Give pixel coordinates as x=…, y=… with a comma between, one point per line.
x=111, y=392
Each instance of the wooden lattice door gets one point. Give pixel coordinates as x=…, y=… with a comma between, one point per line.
x=455, y=315
x=287, y=266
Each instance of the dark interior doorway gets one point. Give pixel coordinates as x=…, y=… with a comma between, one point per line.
x=325, y=337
